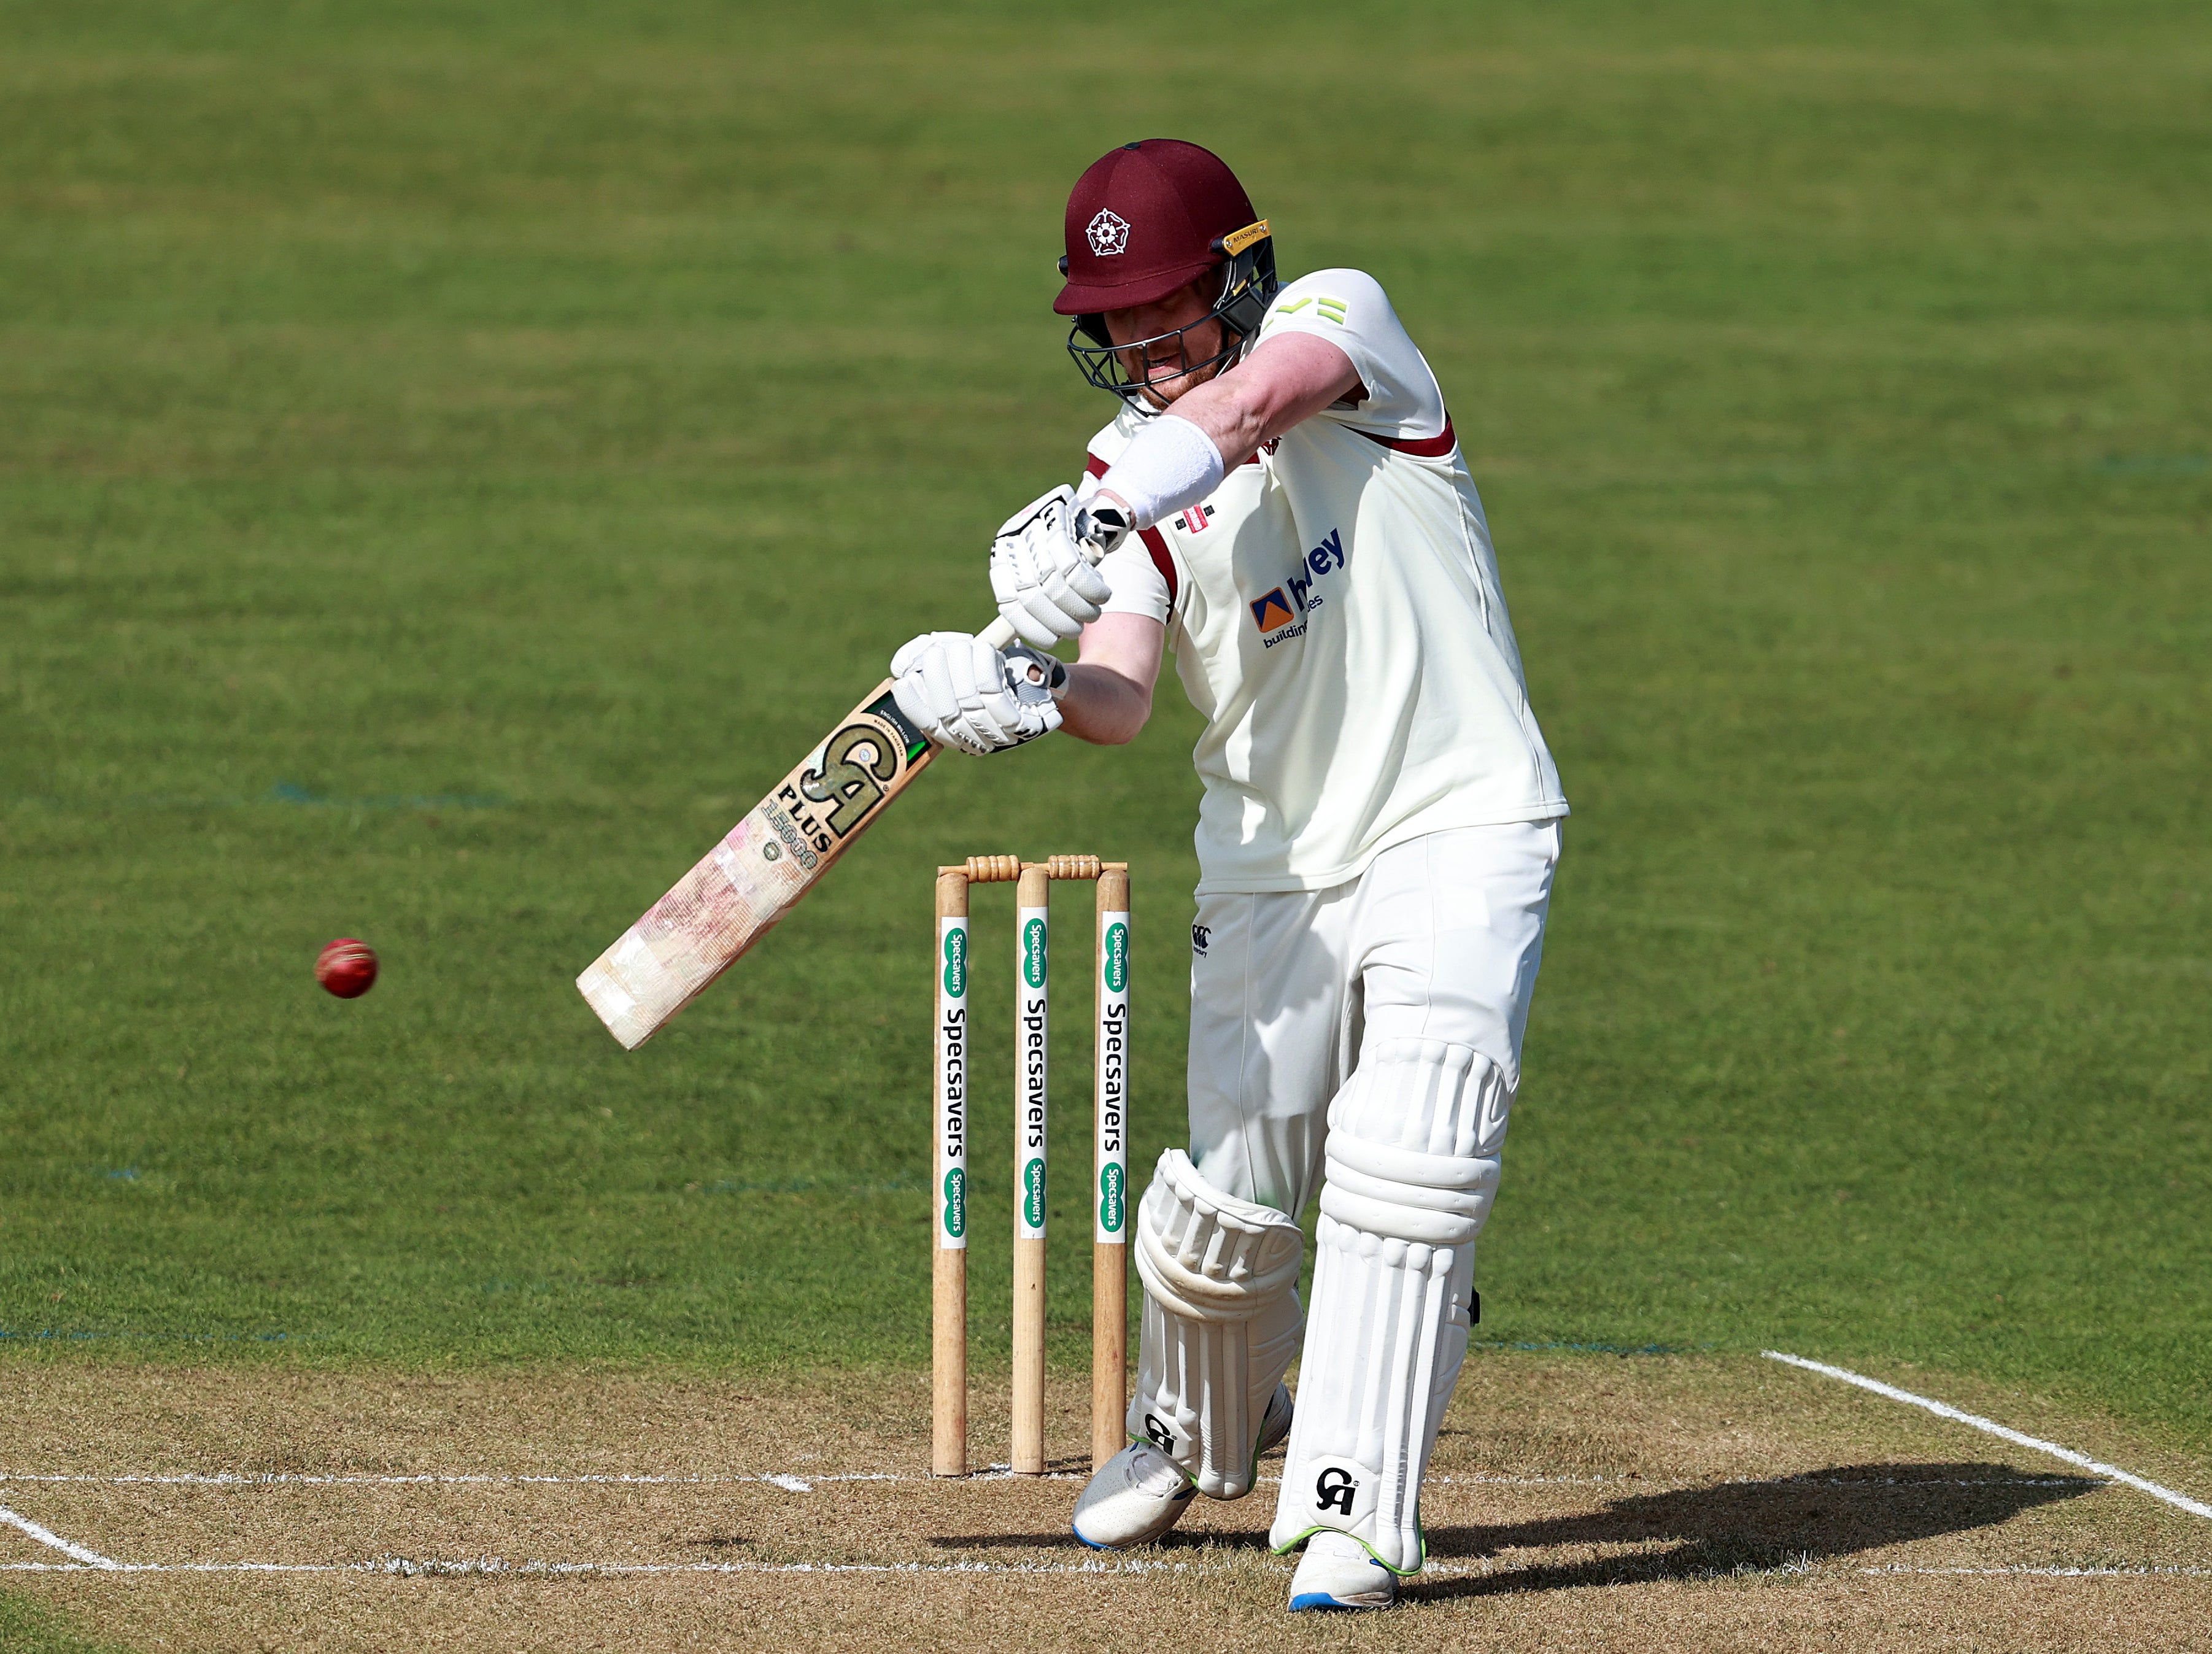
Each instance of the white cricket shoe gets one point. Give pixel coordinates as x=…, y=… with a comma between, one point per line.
x=1337, y=1573
x=1135, y=1497
x=1141, y=1493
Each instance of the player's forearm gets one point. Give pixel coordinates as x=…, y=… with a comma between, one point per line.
x=1286, y=381
x=1180, y=458
x=1102, y=706
x=1233, y=417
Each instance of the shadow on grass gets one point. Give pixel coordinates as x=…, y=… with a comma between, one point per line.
x=1750, y=1526
x=1734, y=1527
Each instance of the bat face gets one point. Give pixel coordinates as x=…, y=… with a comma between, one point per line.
x=750, y=879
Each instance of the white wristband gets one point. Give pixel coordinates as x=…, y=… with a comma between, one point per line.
x=1168, y=465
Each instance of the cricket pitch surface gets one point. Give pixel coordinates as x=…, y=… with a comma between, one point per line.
x=1577, y=1500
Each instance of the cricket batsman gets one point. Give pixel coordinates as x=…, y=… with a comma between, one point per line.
x=1279, y=500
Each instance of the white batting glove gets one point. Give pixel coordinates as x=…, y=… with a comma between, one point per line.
x=1041, y=567
x=959, y=690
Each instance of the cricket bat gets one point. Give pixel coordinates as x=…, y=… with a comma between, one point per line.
x=762, y=867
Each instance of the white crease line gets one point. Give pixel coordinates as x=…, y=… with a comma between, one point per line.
x=1945, y=1410
x=408, y=1567
x=1434, y=1480
x=790, y=1482
x=1663, y=1485
x=2022, y=1570
x=2148, y=1570
x=412, y=1568
x=250, y=1479
x=47, y=1536
x=806, y=1483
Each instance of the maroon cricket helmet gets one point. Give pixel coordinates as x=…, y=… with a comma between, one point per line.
x=1145, y=220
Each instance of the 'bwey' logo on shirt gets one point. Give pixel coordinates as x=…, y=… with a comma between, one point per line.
x=1275, y=615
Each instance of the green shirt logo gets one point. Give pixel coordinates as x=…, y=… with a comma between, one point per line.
x=1110, y=1209
x=956, y=961
x=955, y=1203
x=1033, y=953
x=1033, y=1193
x=1117, y=957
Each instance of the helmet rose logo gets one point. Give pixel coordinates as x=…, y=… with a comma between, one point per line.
x=1108, y=233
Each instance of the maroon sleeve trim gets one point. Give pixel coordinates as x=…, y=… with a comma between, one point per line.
x=1155, y=542
x=1158, y=547
x=1425, y=448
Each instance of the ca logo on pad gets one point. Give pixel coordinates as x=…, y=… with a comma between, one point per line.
x=1334, y=1488
x=1341, y=1490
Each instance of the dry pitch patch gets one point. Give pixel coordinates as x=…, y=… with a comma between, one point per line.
x=1579, y=1501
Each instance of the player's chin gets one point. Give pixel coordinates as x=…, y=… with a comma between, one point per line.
x=1160, y=392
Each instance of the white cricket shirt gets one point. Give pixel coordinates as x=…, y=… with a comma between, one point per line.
x=1336, y=614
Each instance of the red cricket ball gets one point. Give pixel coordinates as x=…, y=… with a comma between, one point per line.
x=346, y=968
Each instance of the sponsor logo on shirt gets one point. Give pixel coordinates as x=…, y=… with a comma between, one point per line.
x=1272, y=611
x=1196, y=519
x=1278, y=613
x=1324, y=559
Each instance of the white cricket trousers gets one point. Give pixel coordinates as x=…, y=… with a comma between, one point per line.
x=1438, y=939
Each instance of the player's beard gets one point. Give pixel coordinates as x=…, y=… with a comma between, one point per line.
x=1162, y=392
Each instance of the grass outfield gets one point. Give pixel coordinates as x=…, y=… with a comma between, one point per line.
x=453, y=461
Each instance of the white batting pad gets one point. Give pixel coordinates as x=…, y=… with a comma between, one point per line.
x=1412, y=1162
x=1220, y=1324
